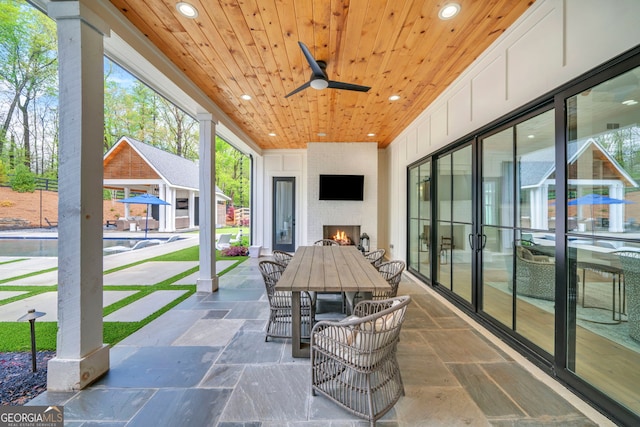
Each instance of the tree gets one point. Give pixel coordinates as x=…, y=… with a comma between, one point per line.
x=23, y=180
x=135, y=110
x=182, y=128
x=622, y=144
x=3, y=173
x=27, y=64
x=232, y=172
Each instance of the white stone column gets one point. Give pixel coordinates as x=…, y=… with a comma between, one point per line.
x=127, y=211
x=81, y=357
x=207, y=280
x=616, y=212
x=540, y=207
x=171, y=210
x=192, y=210
x=162, y=212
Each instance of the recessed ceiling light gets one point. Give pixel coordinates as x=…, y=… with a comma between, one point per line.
x=371, y=134
x=322, y=134
x=448, y=11
x=531, y=136
x=630, y=102
x=246, y=97
x=187, y=10
x=394, y=97
x=272, y=134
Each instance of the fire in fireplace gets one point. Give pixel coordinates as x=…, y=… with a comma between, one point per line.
x=343, y=234
x=342, y=238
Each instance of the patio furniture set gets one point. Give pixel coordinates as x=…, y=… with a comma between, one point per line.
x=353, y=360
x=535, y=273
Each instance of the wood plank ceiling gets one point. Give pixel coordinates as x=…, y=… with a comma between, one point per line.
x=250, y=47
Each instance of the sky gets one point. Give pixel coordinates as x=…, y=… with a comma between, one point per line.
x=118, y=74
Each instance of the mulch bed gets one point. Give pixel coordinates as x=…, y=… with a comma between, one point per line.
x=19, y=383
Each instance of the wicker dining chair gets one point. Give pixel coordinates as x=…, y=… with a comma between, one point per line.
x=282, y=257
x=353, y=361
x=326, y=242
x=535, y=275
x=375, y=257
x=392, y=273
x=279, y=324
x=630, y=261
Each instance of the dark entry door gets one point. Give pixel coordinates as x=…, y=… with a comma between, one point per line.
x=284, y=219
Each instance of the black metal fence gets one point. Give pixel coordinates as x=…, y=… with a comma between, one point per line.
x=47, y=184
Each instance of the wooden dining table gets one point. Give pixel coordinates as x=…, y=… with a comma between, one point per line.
x=325, y=269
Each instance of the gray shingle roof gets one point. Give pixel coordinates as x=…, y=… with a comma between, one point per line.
x=536, y=166
x=175, y=170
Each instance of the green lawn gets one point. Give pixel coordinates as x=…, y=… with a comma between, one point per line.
x=15, y=336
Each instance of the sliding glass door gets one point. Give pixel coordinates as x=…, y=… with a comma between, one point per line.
x=518, y=225
x=498, y=184
x=420, y=219
x=603, y=237
x=454, y=222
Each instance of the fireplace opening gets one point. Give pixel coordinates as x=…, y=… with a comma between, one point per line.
x=343, y=234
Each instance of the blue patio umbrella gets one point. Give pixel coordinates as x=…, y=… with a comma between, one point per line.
x=145, y=199
x=596, y=199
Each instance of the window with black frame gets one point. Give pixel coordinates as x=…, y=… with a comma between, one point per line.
x=603, y=206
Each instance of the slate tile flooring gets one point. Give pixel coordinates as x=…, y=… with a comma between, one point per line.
x=206, y=363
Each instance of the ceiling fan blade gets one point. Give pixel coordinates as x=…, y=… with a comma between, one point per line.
x=348, y=86
x=304, y=86
x=315, y=67
x=319, y=79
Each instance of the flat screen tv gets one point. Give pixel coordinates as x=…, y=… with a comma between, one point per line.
x=341, y=187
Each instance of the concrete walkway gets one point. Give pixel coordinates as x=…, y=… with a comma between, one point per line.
x=146, y=274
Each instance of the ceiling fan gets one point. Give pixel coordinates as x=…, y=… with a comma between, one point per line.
x=319, y=79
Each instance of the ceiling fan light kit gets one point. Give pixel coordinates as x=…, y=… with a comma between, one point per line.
x=319, y=79
x=319, y=84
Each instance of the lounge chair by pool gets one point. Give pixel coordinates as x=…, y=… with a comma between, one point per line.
x=138, y=245
x=223, y=242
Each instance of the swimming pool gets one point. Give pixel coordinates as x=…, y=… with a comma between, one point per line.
x=48, y=246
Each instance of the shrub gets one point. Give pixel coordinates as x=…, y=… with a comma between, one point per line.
x=244, y=241
x=23, y=180
x=3, y=173
x=235, y=251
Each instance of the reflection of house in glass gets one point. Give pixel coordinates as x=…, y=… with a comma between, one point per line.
x=591, y=169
